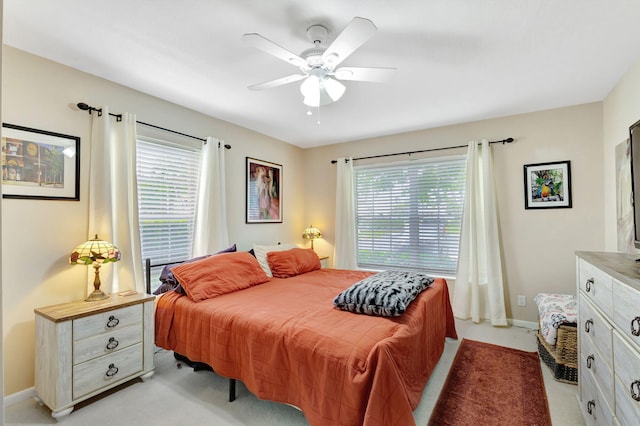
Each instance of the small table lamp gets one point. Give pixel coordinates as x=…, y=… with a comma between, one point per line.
x=311, y=233
x=95, y=252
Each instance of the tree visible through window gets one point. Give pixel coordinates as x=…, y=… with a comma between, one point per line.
x=167, y=193
x=408, y=215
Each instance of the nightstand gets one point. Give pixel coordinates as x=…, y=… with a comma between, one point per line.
x=324, y=261
x=84, y=348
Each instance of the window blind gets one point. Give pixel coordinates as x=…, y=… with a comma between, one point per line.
x=409, y=215
x=167, y=194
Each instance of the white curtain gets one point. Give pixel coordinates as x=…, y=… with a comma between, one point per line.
x=210, y=232
x=345, y=245
x=113, y=199
x=479, y=291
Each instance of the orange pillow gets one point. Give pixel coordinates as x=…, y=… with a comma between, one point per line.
x=289, y=263
x=219, y=274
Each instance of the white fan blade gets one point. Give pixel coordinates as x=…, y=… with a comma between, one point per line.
x=277, y=82
x=266, y=45
x=357, y=32
x=364, y=74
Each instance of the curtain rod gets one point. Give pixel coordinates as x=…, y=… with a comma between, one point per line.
x=503, y=141
x=89, y=108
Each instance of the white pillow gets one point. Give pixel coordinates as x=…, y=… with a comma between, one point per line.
x=261, y=254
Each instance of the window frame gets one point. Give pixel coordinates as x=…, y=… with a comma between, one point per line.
x=194, y=148
x=414, y=220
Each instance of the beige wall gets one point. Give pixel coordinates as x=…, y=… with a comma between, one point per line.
x=538, y=245
x=37, y=236
x=620, y=110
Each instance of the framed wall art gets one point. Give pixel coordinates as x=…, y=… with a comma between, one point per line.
x=547, y=185
x=37, y=164
x=264, y=192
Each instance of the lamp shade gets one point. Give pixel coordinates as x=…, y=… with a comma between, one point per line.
x=95, y=252
x=311, y=233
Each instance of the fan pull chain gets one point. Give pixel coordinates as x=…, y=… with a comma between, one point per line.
x=318, y=122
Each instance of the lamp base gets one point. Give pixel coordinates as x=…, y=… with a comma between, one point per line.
x=97, y=295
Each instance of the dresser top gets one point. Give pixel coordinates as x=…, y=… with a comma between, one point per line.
x=81, y=308
x=621, y=266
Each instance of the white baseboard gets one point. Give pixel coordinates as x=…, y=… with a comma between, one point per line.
x=524, y=324
x=23, y=395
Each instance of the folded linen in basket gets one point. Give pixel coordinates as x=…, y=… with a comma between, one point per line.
x=555, y=310
x=386, y=294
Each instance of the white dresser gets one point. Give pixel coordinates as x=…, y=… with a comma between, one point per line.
x=84, y=348
x=609, y=337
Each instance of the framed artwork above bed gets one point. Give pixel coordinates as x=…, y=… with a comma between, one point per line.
x=264, y=192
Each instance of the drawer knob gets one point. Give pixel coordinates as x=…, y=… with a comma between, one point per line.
x=590, y=405
x=635, y=390
x=111, y=372
x=113, y=343
x=588, y=284
x=635, y=326
x=587, y=325
x=590, y=360
x=113, y=321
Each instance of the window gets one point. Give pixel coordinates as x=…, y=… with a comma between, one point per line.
x=167, y=193
x=409, y=215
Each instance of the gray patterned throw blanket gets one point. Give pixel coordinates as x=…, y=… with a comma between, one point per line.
x=387, y=293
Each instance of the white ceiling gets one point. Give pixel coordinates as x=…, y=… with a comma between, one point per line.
x=457, y=60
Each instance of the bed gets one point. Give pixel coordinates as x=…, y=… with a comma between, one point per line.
x=288, y=343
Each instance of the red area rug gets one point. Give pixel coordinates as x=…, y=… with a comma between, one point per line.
x=492, y=385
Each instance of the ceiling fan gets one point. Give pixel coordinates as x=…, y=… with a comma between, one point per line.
x=318, y=64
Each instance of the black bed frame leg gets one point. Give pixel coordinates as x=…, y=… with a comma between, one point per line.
x=232, y=390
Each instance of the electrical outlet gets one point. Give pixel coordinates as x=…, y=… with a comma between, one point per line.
x=522, y=300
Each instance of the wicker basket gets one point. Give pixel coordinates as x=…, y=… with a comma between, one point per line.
x=562, y=358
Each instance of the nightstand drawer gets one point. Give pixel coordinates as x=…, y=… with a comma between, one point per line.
x=106, y=321
x=100, y=372
x=105, y=343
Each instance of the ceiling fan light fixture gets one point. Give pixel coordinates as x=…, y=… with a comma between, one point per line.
x=321, y=91
x=310, y=87
x=334, y=88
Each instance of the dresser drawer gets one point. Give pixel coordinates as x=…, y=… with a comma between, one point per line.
x=596, y=285
x=106, y=321
x=593, y=326
x=600, y=367
x=102, y=344
x=594, y=406
x=626, y=315
x=100, y=372
x=627, y=381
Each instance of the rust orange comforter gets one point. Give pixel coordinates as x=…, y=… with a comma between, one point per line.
x=287, y=343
